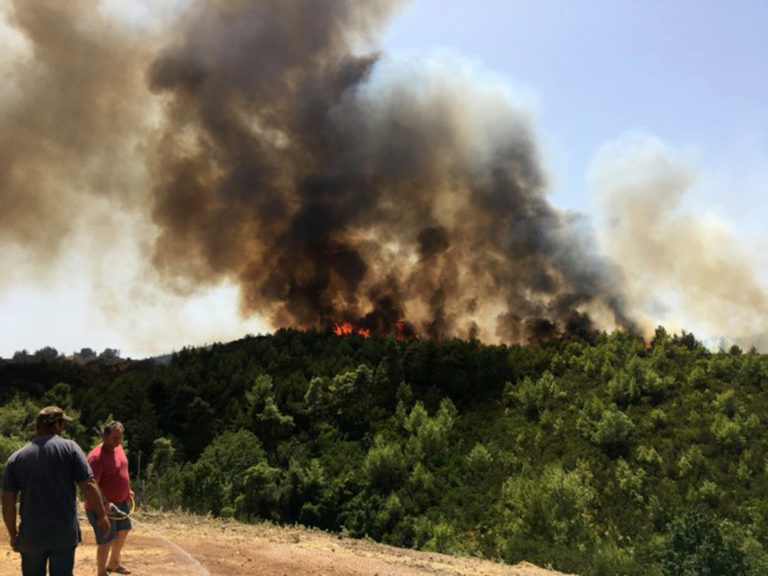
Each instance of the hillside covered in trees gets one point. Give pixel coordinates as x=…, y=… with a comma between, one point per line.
x=599, y=455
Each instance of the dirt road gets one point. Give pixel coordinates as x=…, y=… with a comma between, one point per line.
x=180, y=545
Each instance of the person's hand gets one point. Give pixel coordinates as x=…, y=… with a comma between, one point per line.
x=132, y=494
x=104, y=524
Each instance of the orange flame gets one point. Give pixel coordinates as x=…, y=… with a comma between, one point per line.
x=343, y=328
x=404, y=331
x=348, y=329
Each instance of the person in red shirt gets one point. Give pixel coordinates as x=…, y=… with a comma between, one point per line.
x=110, y=469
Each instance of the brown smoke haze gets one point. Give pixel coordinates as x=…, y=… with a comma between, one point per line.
x=698, y=263
x=270, y=146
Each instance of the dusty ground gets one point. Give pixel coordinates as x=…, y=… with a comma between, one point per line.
x=178, y=545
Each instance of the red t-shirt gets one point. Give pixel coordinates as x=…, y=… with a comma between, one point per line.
x=110, y=469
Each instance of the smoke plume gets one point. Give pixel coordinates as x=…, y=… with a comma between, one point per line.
x=68, y=121
x=697, y=263
x=270, y=145
x=338, y=185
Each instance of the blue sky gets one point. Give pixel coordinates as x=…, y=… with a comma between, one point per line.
x=651, y=108
x=690, y=72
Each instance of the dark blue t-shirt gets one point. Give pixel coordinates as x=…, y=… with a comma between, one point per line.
x=46, y=472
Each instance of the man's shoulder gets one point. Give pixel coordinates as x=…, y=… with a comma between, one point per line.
x=28, y=447
x=95, y=453
x=21, y=458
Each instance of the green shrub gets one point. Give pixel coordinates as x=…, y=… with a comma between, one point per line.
x=695, y=546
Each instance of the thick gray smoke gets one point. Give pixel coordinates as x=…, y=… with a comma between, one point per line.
x=335, y=185
x=282, y=152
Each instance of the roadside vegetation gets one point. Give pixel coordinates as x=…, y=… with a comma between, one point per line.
x=599, y=455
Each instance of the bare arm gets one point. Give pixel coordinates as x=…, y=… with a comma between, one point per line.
x=92, y=493
x=9, y=515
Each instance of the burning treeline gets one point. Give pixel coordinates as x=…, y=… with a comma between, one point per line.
x=280, y=150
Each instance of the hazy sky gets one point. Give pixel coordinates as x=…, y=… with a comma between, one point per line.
x=621, y=82
x=689, y=72
x=652, y=120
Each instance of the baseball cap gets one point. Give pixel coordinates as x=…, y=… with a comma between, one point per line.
x=51, y=415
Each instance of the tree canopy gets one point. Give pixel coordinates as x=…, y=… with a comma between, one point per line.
x=605, y=455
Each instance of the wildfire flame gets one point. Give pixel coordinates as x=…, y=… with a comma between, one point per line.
x=349, y=329
x=403, y=330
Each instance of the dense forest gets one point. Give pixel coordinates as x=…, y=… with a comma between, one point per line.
x=597, y=455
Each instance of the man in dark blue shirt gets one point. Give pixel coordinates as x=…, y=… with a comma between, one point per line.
x=45, y=473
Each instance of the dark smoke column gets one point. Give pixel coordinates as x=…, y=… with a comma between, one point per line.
x=334, y=185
